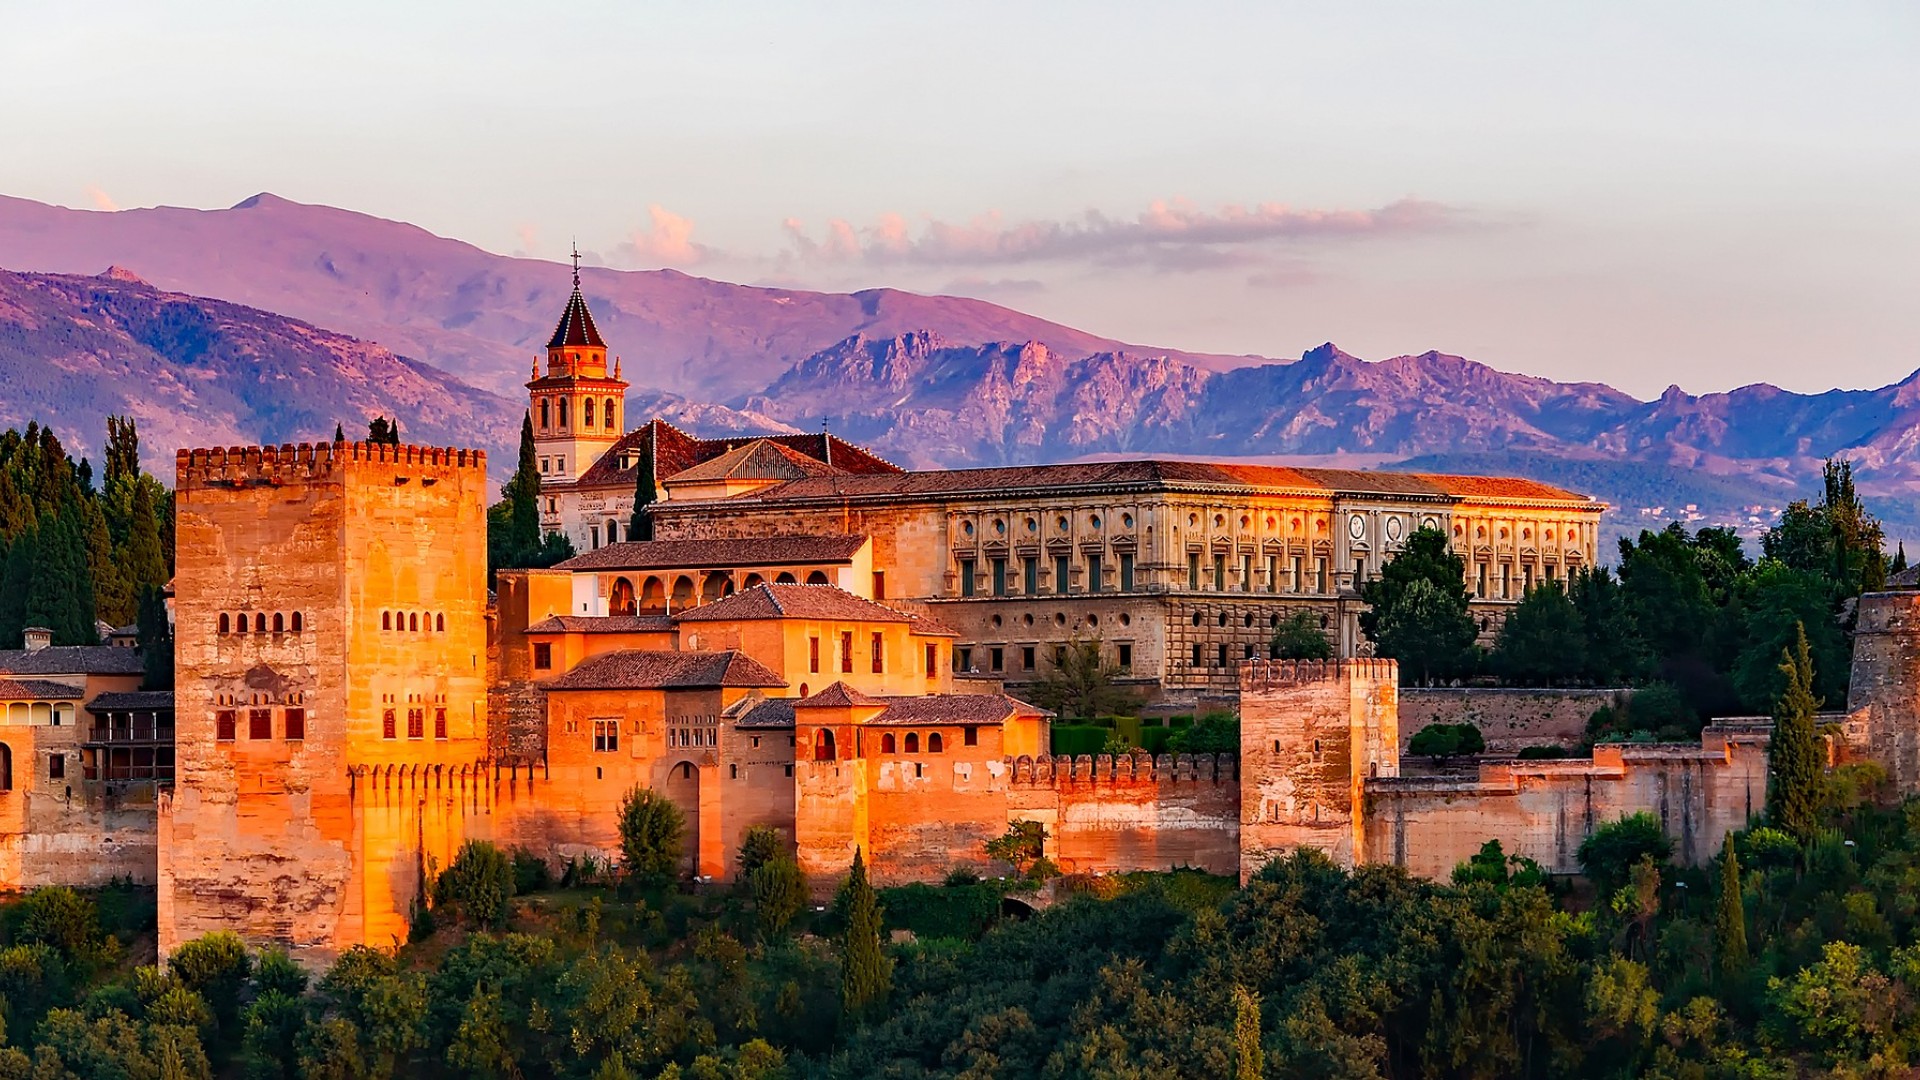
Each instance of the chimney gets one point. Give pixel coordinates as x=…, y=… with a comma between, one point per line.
x=38, y=637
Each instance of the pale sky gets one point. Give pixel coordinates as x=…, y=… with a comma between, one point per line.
x=1707, y=194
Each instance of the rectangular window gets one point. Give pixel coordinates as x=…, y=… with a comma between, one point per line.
x=259, y=723
x=57, y=767
x=1062, y=574
x=594, y=532
x=1246, y=573
x=846, y=652
x=1030, y=566
x=972, y=737
x=1506, y=582
x=223, y=725
x=879, y=584
x=1299, y=575
x=1196, y=654
x=1193, y=570
x=1219, y=573
x=1093, y=573
x=1059, y=656
x=416, y=723
x=1480, y=580
x=543, y=656
x=606, y=736
x=296, y=725
x=962, y=659
x=879, y=653
x=1026, y=657
x=1273, y=573
x=386, y=724
x=1359, y=572
x=1223, y=656
x=813, y=655
x=1126, y=655
x=933, y=660
x=999, y=568
x=996, y=658
x=439, y=723
x=966, y=577
x=1126, y=571
x=1320, y=574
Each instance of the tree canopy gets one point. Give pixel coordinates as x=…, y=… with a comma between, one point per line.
x=1417, y=609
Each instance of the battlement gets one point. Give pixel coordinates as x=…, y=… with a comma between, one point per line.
x=244, y=466
x=1268, y=674
x=1049, y=770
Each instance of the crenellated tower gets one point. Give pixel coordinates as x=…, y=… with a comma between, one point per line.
x=577, y=405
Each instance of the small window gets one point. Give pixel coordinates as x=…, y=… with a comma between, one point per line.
x=439, y=723
x=296, y=725
x=1026, y=657
x=1126, y=655
x=886, y=743
x=260, y=623
x=879, y=584
x=846, y=652
x=1196, y=654
x=226, y=627
x=387, y=729
x=996, y=658
x=297, y=624
x=813, y=655
x=879, y=653
x=733, y=772
x=962, y=659
x=966, y=577
x=1223, y=656
x=934, y=744
x=279, y=623
x=416, y=723
x=933, y=659
x=971, y=737
x=57, y=767
x=386, y=620
x=606, y=736
x=440, y=623
x=223, y=723
x=913, y=742
x=789, y=769
x=413, y=622
x=542, y=656
x=259, y=723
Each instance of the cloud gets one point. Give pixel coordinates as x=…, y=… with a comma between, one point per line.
x=667, y=240
x=1170, y=235
x=101, y=200
x=1282, y=276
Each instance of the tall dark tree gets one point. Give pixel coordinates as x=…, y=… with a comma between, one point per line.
x=1417, y=608
x=1793, y=755
x=866, y=971
x=1899, y=559
x=59, y=586
x=145, y=556
x=382, y=430
x=1532, y=649
x=640, y=525
x=1836, y=537
x=1730, y=915
x=156, y=639
x=513, y=523
x=1081, y=683
x=16, y=574
x=116, y=599
x=339, y=433
x=1612, y=652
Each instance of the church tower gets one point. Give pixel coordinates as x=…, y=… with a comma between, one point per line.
x=577, y=406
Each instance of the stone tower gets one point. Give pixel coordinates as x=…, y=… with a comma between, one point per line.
x=1312, y=733
x=577, y=406
x=1885, y=696
x=331, y=652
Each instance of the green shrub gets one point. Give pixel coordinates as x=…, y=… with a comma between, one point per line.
x=1077, y=739
x=650, y=835
x=761, y=845
x=1442, y=741
x=966, y=911
x=779, y=892
x=65, y=919
x=478, y=884
x=1154, y=740
x=531, y=874
x=215, y=967
x=1540, y=753
x=1608, y=856
x=1216, y=733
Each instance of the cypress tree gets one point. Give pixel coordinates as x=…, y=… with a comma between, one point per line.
x=145, y=558
x=1793, y=757
x=59, y=588
x=866, y=972
x=115, y=597
x=1249, y=1061
x=156, y=639
x=1730, y=918
x=640, y=526
x=382, y=430
x=1899, y=557
x=339, y=433
x=15, y=574
x=524, y=495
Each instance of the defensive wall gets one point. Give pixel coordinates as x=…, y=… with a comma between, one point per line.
x=1132, y=812
x=1511, y=719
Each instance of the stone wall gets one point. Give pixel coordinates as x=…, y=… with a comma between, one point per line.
x=1885, y=688
x=1105, y=814
x=1511, y=719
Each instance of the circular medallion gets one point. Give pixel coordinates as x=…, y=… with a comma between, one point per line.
x=1356, y=526
x=1393, y=529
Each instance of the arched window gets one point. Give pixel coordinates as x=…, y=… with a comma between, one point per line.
x=563, y=412
x=784, y=578
x=586, y=413
x=6, y=767
x=823, y=745
x=803, y=691
x=653, y=596
x=753, y=580
x=933, y=743
x=607, y=416
x=682, y=593
x=613, y=531
x=279, y=623
x=260, y=623
x=544, y=416
x=386, y=620
x=818, y=577
x=621, y=602
x=297, y=625
x=225, y=626
x=440, y=623
x=913, y=742
x=413, y=622
x=886, y=743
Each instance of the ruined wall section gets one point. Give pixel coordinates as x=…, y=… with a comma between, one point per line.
x=1110, y=814
x=1510, y=719
x=1885, y=691
x=1312, y=734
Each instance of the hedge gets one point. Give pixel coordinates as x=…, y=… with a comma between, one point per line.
x=1079, y=738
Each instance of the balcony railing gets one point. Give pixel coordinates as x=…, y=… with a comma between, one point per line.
x=128, y=763
x=141, y=730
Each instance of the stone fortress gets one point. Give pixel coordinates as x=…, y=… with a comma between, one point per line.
x=817, y=642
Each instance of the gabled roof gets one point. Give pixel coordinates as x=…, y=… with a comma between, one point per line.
x=760, y=712
x=718, y=554
x=675, y=451
x=839, y=696
x=659, y=669
x=793, y=602
x=133, y=701
x=36, y=690
x=761, y=459
x=72, y=660
x=576, y=327
x=602, y=624
x=934, y=709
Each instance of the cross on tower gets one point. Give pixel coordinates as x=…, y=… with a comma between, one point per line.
x=576, y=264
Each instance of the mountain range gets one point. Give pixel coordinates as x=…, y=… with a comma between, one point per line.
x=929, y=381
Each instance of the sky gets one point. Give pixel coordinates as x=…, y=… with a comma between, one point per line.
x=1643, y=194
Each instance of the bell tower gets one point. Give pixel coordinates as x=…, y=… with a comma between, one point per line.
x=578, y=408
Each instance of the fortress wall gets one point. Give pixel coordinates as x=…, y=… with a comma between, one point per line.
x=1885, y=687
x=1106, y=814
x=1509, y=718
x=1544, y=810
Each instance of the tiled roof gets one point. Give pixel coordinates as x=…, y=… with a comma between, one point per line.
x=936, y=709
x=654, y=669
x=72, y=660
x=608, y=624
x=132, y=701
x=793, y=602
x=928, y=626
x=576, y=327
x=1155, y=474
x=701, y=554
x=761, y=459
x=675, y=451
x=761, y=713
x=839, y=696
x=36, y=690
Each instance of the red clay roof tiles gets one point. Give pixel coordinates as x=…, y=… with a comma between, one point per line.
x=658, y=669
x=718, y=554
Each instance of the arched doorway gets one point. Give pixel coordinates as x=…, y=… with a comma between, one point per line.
x=621, y=602
x=823, y=746
x=683, y=791
x=653, y=597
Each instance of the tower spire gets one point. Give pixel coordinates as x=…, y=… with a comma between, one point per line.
x=576, y=266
